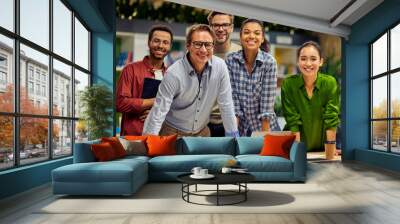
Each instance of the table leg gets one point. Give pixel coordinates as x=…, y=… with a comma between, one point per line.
x=217, y=194
x=245, y=191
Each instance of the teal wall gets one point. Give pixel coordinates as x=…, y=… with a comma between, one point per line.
x=355, y=85
x=24, y=178
x=99, y=16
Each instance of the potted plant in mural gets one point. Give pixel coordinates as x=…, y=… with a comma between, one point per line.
x=96, y=104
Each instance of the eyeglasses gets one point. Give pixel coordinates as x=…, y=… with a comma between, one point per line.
x=199, y=44
x=222, y=25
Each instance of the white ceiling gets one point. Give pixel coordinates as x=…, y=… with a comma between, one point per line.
x=325, y=16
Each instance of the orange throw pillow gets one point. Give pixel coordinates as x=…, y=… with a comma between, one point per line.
x=277, y=145
x=161, y=145
x=116, y=145
x=103, y=152
x=134, y=138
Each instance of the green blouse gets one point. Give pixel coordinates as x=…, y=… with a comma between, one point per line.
x=311, y=116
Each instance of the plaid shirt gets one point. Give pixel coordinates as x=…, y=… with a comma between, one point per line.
x=254, y=94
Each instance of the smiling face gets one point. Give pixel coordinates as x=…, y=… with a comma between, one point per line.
x=222, y=27
x=251, y=36
x=309, y=61
x=200, y=56
x=159, y=44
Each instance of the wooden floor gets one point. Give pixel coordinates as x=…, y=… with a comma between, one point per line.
x=378, y=189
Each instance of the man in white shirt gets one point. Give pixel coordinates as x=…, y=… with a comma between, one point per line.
x=189, y=89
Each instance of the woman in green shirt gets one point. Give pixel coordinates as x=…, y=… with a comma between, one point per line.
x=310, y=101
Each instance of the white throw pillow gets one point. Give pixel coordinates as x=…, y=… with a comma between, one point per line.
x=134, y=147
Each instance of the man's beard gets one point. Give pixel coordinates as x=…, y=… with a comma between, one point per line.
x=220, y=42
x=153, y=55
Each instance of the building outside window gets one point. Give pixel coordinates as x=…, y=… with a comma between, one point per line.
x=385, y=95
x=37, y=74
x=43, y=78
x=55, y=140
x=30, y=87
x=38, y=89
x=3, y=78
x=3, y=72
x=43, y=90
x=30, y=72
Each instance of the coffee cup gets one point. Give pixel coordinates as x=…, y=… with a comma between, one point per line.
x=196, y=170
x=203, y=172
x=226, y=170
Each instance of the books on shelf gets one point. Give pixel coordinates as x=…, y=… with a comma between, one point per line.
x=124, y=58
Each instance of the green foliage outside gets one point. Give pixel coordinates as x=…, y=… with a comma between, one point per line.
x=96, y=102
x=172, y=12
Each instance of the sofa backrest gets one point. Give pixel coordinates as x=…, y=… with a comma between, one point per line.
x=206, y=145
x=249, y=145
x=83, y=153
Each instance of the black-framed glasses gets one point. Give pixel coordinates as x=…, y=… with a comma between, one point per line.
x=222, y=25
x=199, y=44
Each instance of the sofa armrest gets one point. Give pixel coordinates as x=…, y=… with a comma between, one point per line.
x=298, y=156
x=83, y=152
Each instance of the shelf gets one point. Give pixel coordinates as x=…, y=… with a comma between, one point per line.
x=119, y=68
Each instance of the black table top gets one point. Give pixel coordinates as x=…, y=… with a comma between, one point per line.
x=220, y=178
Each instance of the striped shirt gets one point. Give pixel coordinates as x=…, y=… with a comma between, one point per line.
x=253, y=94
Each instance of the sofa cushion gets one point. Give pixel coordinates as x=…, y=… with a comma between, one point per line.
x=185, y=163
x=135, y=137
x=83, y=152
x=112, y=171
x=103, y=151
x=249, y=145
x=257, y=163
x=206, y=145
x=161, y=145
x=116, y=145
x=277, y=145
x=134, y=147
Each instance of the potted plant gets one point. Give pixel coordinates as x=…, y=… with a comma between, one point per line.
x=96, y=104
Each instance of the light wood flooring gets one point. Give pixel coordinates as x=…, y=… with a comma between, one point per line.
x=378, y=189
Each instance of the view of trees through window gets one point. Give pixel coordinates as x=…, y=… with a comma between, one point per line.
x=385, y=95
x=40, y=83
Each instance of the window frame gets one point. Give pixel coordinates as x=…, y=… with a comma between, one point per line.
x=388, y=74
x=51, y=118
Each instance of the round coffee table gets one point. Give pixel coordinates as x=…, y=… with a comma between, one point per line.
x=238, y=179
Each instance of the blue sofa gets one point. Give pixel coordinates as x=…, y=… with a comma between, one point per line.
x=125, y=176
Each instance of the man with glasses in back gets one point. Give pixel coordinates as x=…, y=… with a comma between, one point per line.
x=222, y=24
x=190, y=87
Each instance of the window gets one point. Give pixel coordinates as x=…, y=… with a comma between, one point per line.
x=30, y=73
x=45, y=131
x=62, y=75
x=3, y=72
x=35, y=22
x=7, y=14
x=38, y=89
x=3, y=78
x=37, y=74
x=7, y=73
x=3, y=61
x=30, y=87
x=81, y=45
x=385, y=96
x=43, y=90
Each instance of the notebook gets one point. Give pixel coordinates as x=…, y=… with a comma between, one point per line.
x=150, y=88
